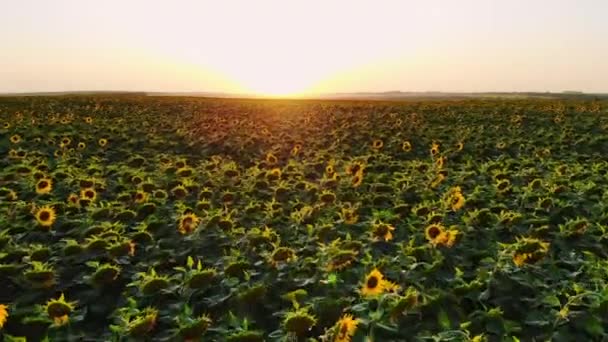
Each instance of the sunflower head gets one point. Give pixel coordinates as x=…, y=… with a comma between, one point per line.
x=434, y=233
x=15, y=139
x=374, y=284
x=354, y=167
x=406, y=146
x=299, y=321
x=103, y=142
x=59, y=310
x=44, y=186
x=271, y=159
x=357, y=179
x=382, y=231
x=140, y=196
x=3, y=315
x=346, y=328
x=88, y=194
x=45, y=216
x=282, y=255
x=377, y=144
x=187, y=223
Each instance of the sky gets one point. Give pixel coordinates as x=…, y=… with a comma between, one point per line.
x=285, y=47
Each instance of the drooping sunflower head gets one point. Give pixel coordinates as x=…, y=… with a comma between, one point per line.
x=59, y=310
x=346, y=328
x=299, y=322
x=45, y=216
x=382, y=231
x=44, y=186
x=373, y=284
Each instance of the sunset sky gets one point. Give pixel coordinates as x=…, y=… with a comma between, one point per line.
x=298, y=47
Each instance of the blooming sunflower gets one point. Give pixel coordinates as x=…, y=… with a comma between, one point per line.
x=140, y=196
x=102, y=142
x=59, y=310
x=434, y=149
x=457, y=201
x=187, y=223
x=15, y=139
x=271, y=158
x=347, y=326
x=296, y=150
x=377, y=144
x=435, y=234
x=81, y=145
x=88, y=193
x=406, y=146
x=88, y=119
x=354, y=167
x=459, y=146
x=382, y=231
x=44, y=186
x=357, y=179
x=46, y=216
x=374, y=284
x=3, y=315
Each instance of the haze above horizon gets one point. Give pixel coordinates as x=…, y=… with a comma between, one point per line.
x=289, y=48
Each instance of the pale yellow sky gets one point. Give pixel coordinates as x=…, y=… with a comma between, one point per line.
x=294, y=47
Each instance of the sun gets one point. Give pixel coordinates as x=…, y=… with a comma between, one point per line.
x=276, y=82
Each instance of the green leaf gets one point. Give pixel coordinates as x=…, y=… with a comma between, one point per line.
x=443, y=319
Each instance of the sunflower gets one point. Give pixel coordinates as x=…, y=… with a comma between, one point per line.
x=406, y=146
x=434, y=149
x=347, y=326
x=391, y=287
x=59, y=310
x=349, y=215
x=73, y=199
x=188, y=223
x=140, y=196
x=354, y=167
x=88, y=119
x=435, y=234
x=357, y=179
x=15, y=139
x=3, y=315
x=330, y=170
x=382, y=231
x=457, y=201
x=45, y=216
x=6, y=125
x=81, y=145
x=459, y=146
x=296, y=150
x=44, y=186
x=65, y=141
x=102, y=142
x=374, y=284
x=377, y=144
x=88, y=193
x=520, y=259
x=271, y=159
x=437, y=180
x=440, y=162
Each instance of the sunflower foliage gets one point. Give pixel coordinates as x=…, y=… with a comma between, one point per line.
x=166, y=219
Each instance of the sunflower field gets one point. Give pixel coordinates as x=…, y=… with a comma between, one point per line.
x=133, y=218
